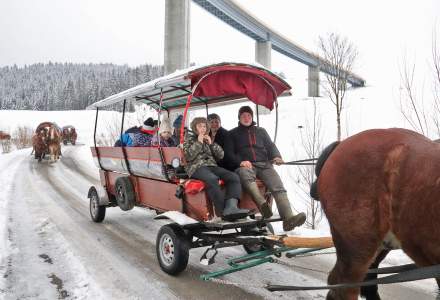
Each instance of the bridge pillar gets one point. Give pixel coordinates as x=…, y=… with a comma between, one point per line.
x=263, y=53
x=263, y=56
x=313, y=81
x=177, y=29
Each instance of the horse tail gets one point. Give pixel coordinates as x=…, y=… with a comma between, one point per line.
x=319, y=165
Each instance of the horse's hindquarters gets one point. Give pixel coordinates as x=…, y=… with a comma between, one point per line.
x=376, y=183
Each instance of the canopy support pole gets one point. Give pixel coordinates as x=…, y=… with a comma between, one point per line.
x=94, y=141
x=124, y=152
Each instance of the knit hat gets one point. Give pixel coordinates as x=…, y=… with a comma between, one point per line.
x=213, y=116
x=165, y=126
x=199, y=120
x=244, y=109
x=148, y=124
x=178, y=122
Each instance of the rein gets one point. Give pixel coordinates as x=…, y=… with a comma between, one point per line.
x=412, y=274
x=302, y=162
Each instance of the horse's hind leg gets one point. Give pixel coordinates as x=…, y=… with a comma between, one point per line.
x=371, y=292
x=350, y=268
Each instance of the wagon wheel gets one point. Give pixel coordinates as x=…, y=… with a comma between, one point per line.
x=256, y=247
x=65, y=142
x=172, y=249
x=125, y=195
x=97, y=212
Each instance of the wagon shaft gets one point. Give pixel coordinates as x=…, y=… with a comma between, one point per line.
x=304, y=242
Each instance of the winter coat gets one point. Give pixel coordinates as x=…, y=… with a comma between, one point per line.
x=163, y=143
x=127, y=137
x=223, y=138
x=198, y=155
x=141, y=139
x=176, y=135
x=252, y=143
x=125, y=141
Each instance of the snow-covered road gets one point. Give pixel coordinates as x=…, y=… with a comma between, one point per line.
x=50, y=248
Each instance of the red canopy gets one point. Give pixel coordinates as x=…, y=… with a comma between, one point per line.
x=259, y=85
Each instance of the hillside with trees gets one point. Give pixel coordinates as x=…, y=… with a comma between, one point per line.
x=67, y=86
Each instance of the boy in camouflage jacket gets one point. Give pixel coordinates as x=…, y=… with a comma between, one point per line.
x=201, y=156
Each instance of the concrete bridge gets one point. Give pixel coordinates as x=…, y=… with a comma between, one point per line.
x=177, y=18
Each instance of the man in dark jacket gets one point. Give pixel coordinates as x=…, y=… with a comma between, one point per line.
x=254, y=154
x=221, y=136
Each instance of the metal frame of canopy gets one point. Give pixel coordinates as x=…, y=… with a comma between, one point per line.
x=200, y=86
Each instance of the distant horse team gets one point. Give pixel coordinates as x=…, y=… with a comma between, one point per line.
x=5, y=141
x=69, y=135
x=47, y=140
x=379, y=190
x=4, y=136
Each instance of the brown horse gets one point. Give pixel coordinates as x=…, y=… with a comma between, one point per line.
x=4, y=136
x=5, y=141
x=39, y=144
x=379, y=190
x=54, y=143
x=73, y=136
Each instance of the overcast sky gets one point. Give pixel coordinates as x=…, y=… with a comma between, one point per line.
x=131, y=32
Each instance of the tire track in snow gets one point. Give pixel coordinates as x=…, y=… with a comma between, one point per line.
x=9, y=168
x=139, y=253
x=43, y=266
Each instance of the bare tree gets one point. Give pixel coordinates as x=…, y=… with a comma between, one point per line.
x=6, y=145
x=22, y=137
x=436, y=88
x=112, y=131
x=412, y=105
x=338, y=57
x=311, y=139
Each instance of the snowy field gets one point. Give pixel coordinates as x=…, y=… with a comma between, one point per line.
x=50, y=249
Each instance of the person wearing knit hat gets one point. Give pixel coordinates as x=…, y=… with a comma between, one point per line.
x=201, y=155
x=165, y=135
x=148, y=125
x=254, y=155
x=165, y=126
x=176, y=131
x=178, y=121
x=144, y=137
x=246, y=109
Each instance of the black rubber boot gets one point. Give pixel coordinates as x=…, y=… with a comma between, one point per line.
x=290, y=221
x=231, y=212
x=263, y=206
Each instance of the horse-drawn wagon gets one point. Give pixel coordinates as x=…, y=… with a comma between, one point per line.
x=46, y=140
x=154, y=177
x=69, y=134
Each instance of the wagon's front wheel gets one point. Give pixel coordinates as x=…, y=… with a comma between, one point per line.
x=172, y=249
x=97, y=212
